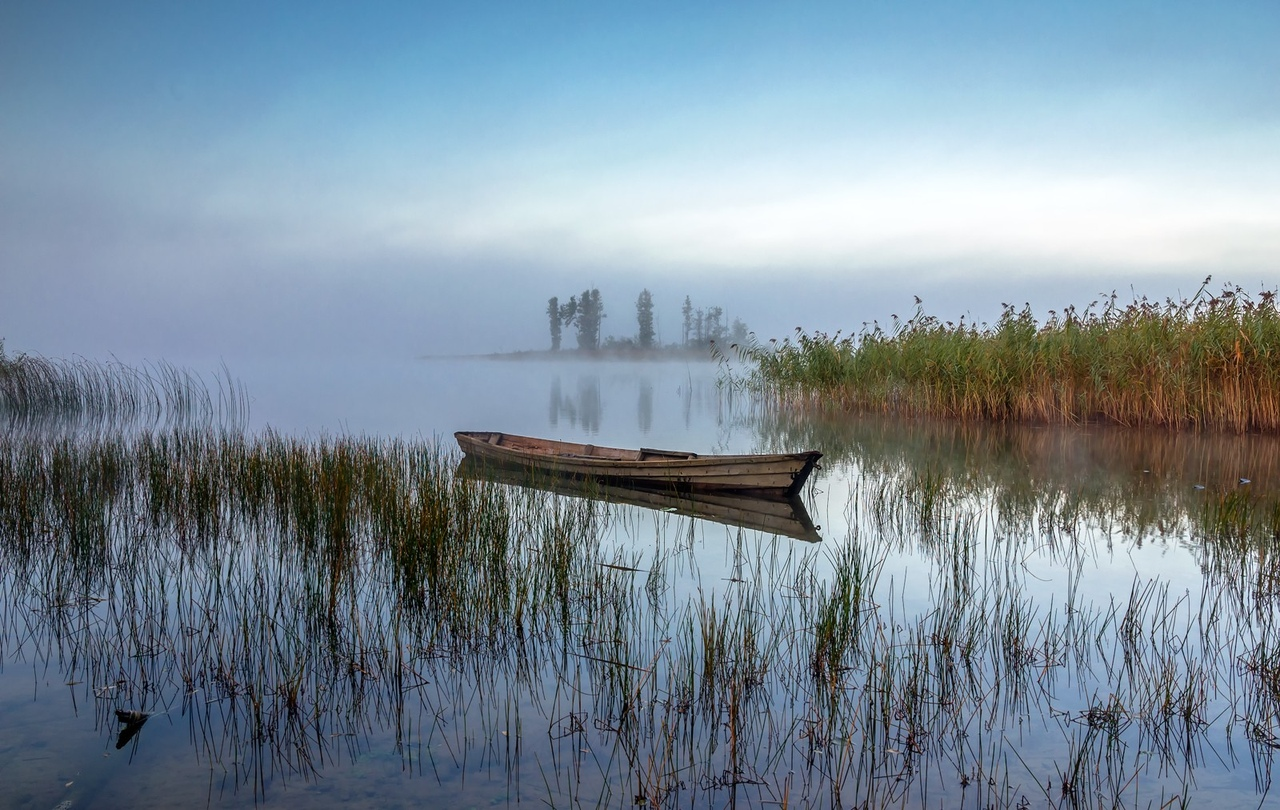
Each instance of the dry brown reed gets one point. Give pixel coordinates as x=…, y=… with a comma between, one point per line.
x=1206, y=363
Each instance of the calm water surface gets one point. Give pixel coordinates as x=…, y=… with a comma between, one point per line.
x=610, y=402
x=1041, y=620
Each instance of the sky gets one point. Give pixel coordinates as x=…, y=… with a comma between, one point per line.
x=233, y=180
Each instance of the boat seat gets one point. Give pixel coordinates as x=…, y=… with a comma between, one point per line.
x=649, y=452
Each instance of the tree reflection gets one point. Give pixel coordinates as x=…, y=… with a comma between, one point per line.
x=583, y=409
x=644, y=407
x=303, y=602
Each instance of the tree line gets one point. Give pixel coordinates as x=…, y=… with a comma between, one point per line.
x=584, y=312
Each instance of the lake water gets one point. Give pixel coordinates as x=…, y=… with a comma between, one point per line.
x=623, y=403
x=1040, y=617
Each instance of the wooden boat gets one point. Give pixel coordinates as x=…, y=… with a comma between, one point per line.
x=784, y=516
x=775, y=475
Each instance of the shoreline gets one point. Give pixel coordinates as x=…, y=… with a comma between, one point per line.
x=580, y=355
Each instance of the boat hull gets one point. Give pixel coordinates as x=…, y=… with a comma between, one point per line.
x=780, y=475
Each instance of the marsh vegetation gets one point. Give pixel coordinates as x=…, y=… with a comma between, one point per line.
x=1208, y=362
x=1013, y=618
x=38, y=391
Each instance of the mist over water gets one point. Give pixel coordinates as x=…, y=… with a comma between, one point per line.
x=618, y=403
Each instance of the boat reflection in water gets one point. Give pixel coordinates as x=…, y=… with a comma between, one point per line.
x=783, y=515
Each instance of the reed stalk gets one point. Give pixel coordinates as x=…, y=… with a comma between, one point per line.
x=298, y=601
x=1205, y=363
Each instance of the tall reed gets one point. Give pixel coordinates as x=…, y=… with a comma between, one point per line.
x=39, y=391
x=1204, y=363
x=300, y=601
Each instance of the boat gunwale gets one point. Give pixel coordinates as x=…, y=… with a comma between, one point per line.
x=765, y=473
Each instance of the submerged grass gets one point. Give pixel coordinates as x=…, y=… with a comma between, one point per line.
x=297, y=601
x=1205, y=363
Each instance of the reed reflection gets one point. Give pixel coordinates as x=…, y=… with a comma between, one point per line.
x=1217, y=485
x=300, y=602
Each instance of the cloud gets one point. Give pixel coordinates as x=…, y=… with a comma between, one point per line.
x=892, y=220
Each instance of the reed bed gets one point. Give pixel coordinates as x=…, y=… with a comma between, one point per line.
x=39, y=392
x=297, y=603
x=1204, y=363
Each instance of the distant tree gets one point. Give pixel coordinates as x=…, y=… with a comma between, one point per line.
x=583, y=320
x=590, y=313
x=597, y=315
x=704, y=326
x=569, y=311
x=626, y=343
x=713, y=328
x=553, y=312
x=687, y=311
x=644, y=315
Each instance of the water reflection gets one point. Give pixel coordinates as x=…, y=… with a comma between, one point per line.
x=557, y=403
x=644, y=407
x=786, y=516
x=583, y=409
x=579, y=401
x=339, y=618
x=1142, y=483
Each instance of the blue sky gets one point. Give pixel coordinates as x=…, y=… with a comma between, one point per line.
x=250, y=177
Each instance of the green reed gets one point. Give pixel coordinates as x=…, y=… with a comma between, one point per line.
x=289, y=597
x=38, y=391
x=1207, y=362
